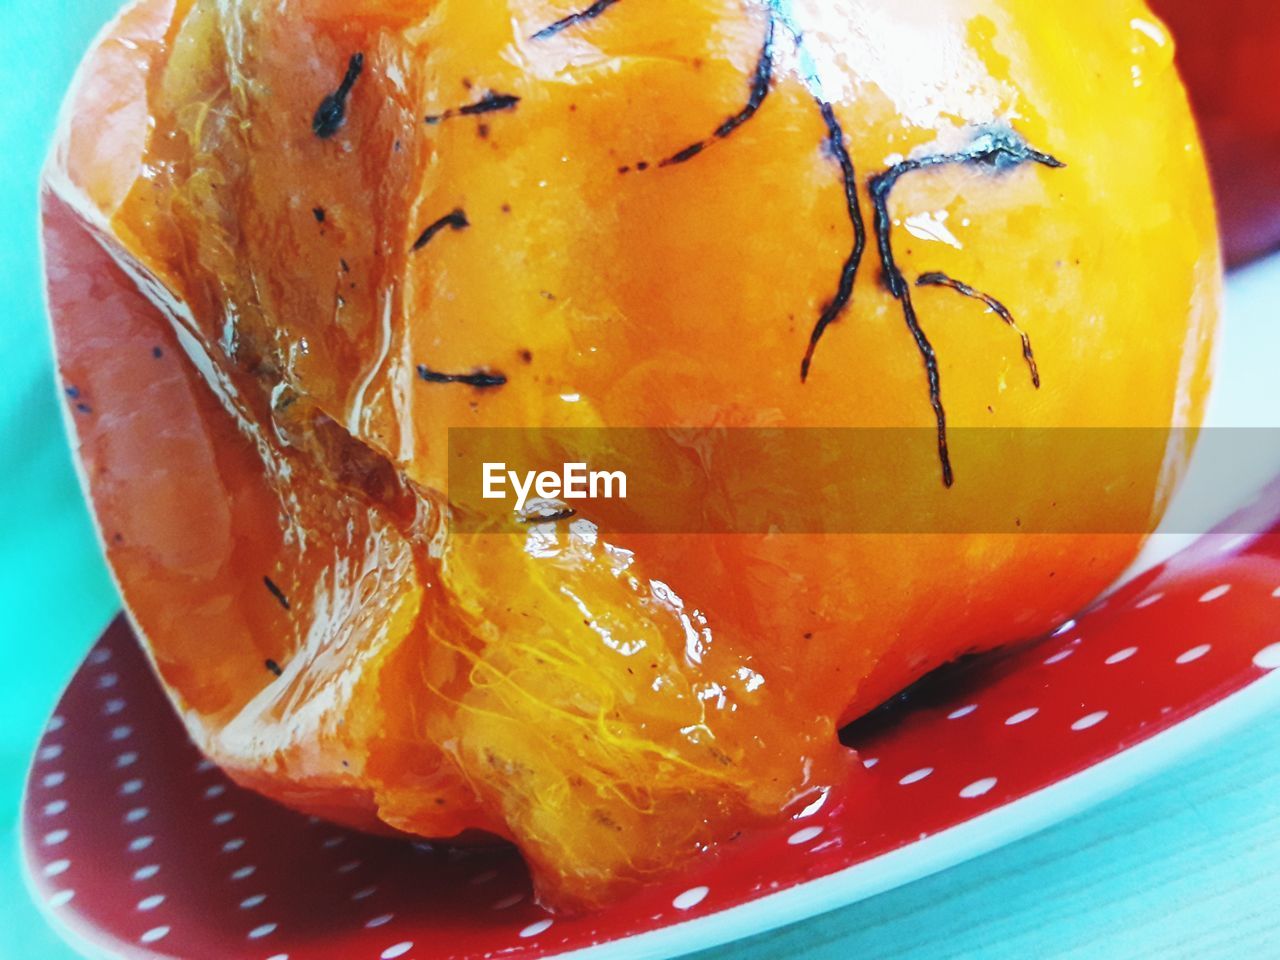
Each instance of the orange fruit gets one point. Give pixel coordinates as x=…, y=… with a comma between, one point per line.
x=290, y=245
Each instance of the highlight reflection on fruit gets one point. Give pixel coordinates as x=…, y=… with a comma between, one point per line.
x=326, y=232
x=1230, y=59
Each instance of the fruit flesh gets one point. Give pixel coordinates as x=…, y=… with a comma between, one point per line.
x=268, y=470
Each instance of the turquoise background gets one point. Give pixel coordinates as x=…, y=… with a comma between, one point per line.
x=1183, y=867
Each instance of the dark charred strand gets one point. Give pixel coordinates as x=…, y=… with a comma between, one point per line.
x=480, y=379
x=331, y=113
x=582, y=16
x=276, y=592
x=844, y=292
x=761, y=83
x=489, y=103
x=942, y=280
x=998, y=151
x=457, y=220
x=273, y=667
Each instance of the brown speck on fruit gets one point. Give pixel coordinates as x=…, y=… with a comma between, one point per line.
x=276, y=592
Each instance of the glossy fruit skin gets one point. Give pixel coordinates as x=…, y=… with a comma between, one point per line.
x=269, y=472
x=1230, y=60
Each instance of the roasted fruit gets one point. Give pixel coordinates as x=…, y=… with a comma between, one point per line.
x=290, y=244
x=1230, y=59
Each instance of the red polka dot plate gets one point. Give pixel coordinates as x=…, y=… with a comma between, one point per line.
x=138, y=848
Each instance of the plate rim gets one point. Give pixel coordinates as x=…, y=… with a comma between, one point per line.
x=1008, y=823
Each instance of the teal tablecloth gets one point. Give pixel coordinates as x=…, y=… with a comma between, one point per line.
x=1183, y=867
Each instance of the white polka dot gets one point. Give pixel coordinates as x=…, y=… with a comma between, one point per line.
x=147, y=872
x=332, y=842
x=52, y=752
x=1234, y=543
x=278, y=956
x=138, y=844
x=154, y=934
x=137, y=814
x=56, y=867
x=108, y=680
x=962, y=711
x=1021, y=716
x=349, y=867
x=364, y=894
x=915, y=776
x=130, y=787
x=1219, y=591
x=56, y=723
x=533, y=929
x=248, y=903
x=112, y=707
x=482, y=878
x=225, y=817
x=54, y=807
x=205, y=765
x=100, y=656
x=1063, y=629
x=61, y=898
x=243, y=873
x=398, y=950
x=1194, y=654
x=1089, y=720
x=151, y=902
x=507, y=902
x=1274, y=593
x=122, y=732
x=127, y=759
x=55, y=837
x=232, y=845
x=381, y=921
x=1148, y=601
x=257, y=933
x=978, y=788
x=690, y=898
x=870, y=762
x=1059, y=656
x=804, y=835
x=1120, y=656
x=55, y=779
x=217, y=790
x=1268, y=658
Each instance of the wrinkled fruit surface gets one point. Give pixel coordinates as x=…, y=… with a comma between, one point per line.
x=290, y=244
